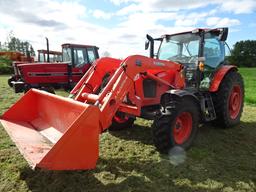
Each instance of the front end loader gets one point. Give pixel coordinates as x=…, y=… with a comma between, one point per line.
x=187, y=82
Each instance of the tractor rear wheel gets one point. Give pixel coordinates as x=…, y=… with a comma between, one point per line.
x=177, y=129
x=228, y=100
x=121, y=121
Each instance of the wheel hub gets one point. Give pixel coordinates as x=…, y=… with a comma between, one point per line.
x=235, y=101
x=182, y=127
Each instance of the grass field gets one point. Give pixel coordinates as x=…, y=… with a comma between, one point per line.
x=220, y=160
x=249, y=75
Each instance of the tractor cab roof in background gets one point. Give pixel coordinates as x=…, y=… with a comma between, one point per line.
x=79, y=45
x=218, y=31
x=50, y=52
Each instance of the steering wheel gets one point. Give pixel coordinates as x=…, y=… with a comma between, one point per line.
x=193, y=59
x=180, y=58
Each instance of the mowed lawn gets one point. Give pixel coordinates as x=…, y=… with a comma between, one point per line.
x=249, y=75
x=220, y=160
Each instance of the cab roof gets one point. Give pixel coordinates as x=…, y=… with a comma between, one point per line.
x=50, y=52
x=195, y=31
x=79, y=45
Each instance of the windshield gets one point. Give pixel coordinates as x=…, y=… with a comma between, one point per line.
x=66, y=54
x=41, y=57
x=181, y=48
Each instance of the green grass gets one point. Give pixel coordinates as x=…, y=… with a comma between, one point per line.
x=220, y=160
x=249, y=75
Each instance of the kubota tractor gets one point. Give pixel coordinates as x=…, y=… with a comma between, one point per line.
x=187, y=83
x=48, y=75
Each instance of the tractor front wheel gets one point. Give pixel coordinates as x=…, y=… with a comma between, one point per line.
x=48, y=89
x=229, y=100
x=179, y=128
x=121, y=121
x=12, y=78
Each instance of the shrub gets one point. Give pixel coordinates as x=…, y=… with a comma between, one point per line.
x=5, y=65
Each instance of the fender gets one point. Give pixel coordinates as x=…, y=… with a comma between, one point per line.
x=219, y=75
x=168, y=95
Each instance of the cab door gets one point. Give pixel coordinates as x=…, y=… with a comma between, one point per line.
x=82, y=60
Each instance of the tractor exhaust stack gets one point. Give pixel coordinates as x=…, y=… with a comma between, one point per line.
x=48, y=50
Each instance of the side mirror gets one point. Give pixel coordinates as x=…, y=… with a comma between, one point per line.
x=146, y=44
x=150, y=41
x=224, y=34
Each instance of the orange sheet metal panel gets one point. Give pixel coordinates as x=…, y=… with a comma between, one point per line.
x=53, y=132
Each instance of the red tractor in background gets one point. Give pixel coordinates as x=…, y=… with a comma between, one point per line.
x=187, y=83
x=50, y=75
x=54, y=56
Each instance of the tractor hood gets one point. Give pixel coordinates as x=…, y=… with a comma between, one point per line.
x=44, y=64
x=36, y=73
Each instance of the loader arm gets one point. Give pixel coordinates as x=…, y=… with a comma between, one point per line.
x=121, y=84
x=59, y=133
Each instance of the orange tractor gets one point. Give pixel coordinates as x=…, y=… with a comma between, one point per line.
x=187, y=83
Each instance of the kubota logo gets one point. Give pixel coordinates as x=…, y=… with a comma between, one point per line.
x=157, y=63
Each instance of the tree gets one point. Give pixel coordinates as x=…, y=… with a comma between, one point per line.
x=15, y=44
x=106, y=54
x=244, y=54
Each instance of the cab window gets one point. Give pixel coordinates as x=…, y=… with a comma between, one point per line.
x=213, y=52
x=80, y=57
x=41, y=57
x=91, y=55
x=168, y=50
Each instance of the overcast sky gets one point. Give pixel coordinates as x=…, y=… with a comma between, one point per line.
x=120, y=26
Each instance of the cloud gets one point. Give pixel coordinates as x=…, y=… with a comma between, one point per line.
x=239, y=7
x=119, y=2
x=99, y=14
x=234, y=6
x=221, y=22
x=191, y=19
x=16, y=10
x=132, y=8
x=162, y=5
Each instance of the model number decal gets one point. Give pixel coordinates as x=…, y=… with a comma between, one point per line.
x=157, y=63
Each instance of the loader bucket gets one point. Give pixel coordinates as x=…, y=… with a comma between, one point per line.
x=53, y=132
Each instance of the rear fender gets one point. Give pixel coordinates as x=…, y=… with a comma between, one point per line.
x=219, y=75
x=176, y=95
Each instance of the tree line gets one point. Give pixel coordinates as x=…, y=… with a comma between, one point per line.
x=13, y=43
x=244, y=54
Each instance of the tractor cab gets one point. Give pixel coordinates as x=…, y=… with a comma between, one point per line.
x=200, y=51
x=79, y=55
x=54, y=56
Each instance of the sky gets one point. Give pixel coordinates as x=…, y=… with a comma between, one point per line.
x=120, y=26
